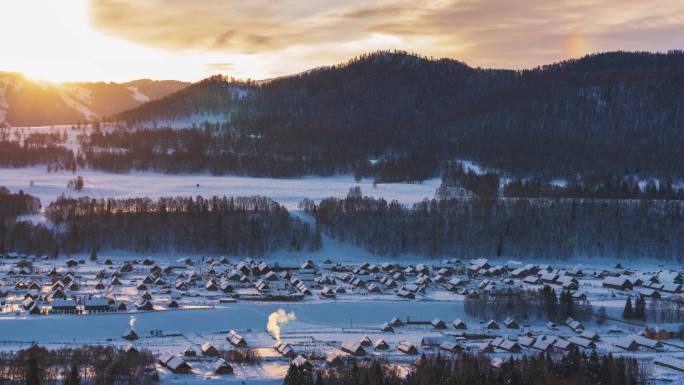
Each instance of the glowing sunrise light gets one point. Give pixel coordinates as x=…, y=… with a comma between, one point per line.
x=53, y=40
x=121, y=40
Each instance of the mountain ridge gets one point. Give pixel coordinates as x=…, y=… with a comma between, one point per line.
x=589, y=68
x=615, y=112
x=27, y=102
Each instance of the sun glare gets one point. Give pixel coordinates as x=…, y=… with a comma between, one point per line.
x=54, y=41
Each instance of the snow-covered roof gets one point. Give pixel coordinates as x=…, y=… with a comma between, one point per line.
x=670, y=362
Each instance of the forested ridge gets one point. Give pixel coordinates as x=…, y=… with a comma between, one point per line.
x=614, y=113
x=506, y=227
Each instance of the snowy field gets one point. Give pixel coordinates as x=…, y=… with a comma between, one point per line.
x=288, y=192
x=243, y=316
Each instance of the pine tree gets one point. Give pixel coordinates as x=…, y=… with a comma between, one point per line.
x=499, y=246
x=640, y=308
x=73, y=377
x=551, y=302
x=628, y=313
x=293, y=376
x=32, y=370
x=566, y=304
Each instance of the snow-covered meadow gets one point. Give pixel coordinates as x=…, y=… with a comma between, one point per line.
x=288, y=192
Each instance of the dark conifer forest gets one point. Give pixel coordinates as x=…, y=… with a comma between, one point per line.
x=512, y=227
x=16, y=204
x=468, y=368
x=73, y=366
x=614, y=113
x=396, y=116
x=236, y=226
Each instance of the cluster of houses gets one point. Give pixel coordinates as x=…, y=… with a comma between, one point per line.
x=70, y=289
x=462, y=340
x=78, y=287
x=647, y=285
x=360, y=348
x=618, y=278
x=180, y=363
x=57, y=292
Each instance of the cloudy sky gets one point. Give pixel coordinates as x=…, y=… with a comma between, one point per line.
x=121, y=40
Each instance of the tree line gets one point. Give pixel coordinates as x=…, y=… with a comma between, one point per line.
x=225, y=225
x=636, y=311
x=521, y=304
x=457, y=180
x=101, y=365
x=207, y=149
x=54, y=157
x=511, y=227
x=16, y=204
x=663, y=311
x=595, y=187
x=572, y=368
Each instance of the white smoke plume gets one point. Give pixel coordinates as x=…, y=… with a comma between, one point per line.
x=276, y=319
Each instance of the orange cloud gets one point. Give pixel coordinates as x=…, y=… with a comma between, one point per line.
x=119, y=39
x=498, y=33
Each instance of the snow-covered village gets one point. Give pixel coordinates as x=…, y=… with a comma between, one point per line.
x=247, y=321
x=390, y=192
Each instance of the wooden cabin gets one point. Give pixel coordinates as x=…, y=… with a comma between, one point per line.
x=221, y=367
x=353, y=348
x=236, y=339
x=407, y=348
x=209, y=350
x=459, y=324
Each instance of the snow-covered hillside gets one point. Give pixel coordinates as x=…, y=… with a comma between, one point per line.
x=27, y=102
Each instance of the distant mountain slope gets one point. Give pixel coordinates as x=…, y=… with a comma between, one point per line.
x=618, y=112
x=25, y=102
x=212, y=98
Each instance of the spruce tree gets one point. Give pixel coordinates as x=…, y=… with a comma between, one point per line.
x=628, y=313
x=32, y=370
x=293, y=376
x=640, y=308
x=73, y=377
x=566, y=304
